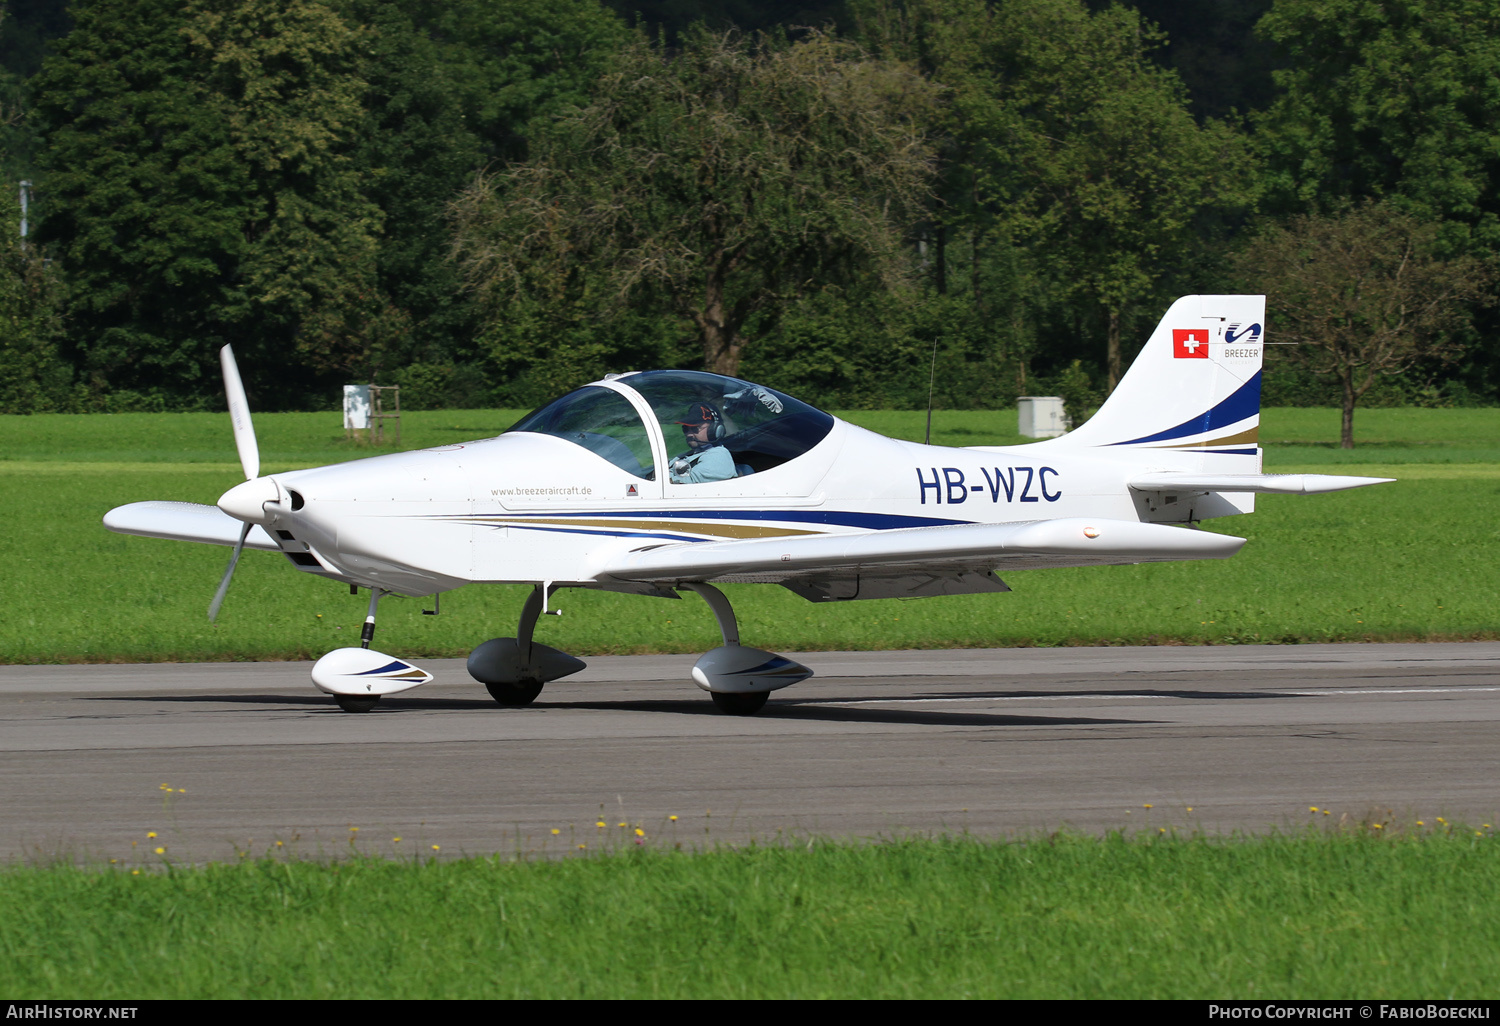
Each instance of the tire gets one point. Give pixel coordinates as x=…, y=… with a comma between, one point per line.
x=740, y=704
x=356, y=703
x=521, y=693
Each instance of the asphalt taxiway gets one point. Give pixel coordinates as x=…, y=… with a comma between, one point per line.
x=878, y=744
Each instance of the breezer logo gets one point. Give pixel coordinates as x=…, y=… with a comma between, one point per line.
x=1190, y=343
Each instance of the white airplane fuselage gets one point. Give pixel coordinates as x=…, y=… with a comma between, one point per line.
x=532, y=507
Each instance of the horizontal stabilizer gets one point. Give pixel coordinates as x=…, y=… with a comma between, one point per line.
x=1040, y=543
x=185, y=521
x=1272, y=484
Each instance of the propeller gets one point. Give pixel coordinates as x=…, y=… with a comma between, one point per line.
x=239, y=415
x=244, y=441
x=239, y=546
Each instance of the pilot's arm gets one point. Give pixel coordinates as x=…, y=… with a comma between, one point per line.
x=748, y=397
x=703, y=465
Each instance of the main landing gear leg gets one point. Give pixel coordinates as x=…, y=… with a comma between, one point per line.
x=739, y=679
x=513, y=670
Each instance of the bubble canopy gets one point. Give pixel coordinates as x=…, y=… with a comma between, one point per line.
x=759, y=426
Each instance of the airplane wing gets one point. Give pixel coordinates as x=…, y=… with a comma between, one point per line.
x=185, y=521
x=956, y=553
x=1276, y=484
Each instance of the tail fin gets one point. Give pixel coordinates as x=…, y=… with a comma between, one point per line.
x=1194, y=387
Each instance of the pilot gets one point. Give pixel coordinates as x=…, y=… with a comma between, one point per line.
x=706, y=459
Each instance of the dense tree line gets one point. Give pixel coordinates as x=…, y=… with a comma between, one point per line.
x=491, y=202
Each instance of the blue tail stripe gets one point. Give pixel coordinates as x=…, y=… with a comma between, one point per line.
x=1245, y=402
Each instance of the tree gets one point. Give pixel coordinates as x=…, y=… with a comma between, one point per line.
x=200, y=190
x=287, y=79
x=453, y=87
x=32, y=378
x=1067, y=147
x=1397, y=99
x=717, y=184
x=1361, y=295
x=27, y=28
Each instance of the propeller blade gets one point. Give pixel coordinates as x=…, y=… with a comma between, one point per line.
x=239, y=546
x=239, y=416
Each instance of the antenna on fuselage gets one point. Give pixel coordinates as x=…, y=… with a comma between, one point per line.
x=931, y=377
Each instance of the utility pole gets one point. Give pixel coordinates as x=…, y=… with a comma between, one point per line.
x=25, y=202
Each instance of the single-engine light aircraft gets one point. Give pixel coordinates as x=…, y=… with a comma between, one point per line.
x=658, y=482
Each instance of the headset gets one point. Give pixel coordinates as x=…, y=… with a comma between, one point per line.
x=703, y=413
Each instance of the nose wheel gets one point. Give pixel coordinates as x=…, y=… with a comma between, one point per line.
x=739, y=705
x=356, y=703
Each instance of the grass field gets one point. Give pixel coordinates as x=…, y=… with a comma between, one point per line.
x=1409, y=561
x=309, y=439
x=1326, y=914
x=1394, y=910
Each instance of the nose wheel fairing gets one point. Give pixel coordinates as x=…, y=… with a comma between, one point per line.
x=357, y=677
x=364, y=672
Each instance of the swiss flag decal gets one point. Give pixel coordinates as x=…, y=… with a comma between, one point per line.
x=1190, y=343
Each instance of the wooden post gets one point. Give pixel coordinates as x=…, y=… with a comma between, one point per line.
x=377, y=396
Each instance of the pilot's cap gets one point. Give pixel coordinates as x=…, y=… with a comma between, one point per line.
x=699, y=413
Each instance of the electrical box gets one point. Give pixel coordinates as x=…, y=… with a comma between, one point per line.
x=1041, y=416
x=356, y=407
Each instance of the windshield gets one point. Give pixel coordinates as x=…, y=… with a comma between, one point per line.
x=717, y=427
x=603, y=422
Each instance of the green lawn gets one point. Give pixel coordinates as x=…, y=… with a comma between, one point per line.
x=1374, y=911
x=285, y=439
x=1413, y=560
x=310, y=439
x=1319, y=915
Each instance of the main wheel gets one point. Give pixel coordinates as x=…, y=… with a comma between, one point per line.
x=356, y=703
x=740, y=704
x=522, y=693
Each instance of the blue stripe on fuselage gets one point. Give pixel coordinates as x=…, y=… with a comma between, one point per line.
x=839, y=518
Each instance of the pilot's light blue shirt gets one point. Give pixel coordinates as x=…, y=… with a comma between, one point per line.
x=711, y=464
